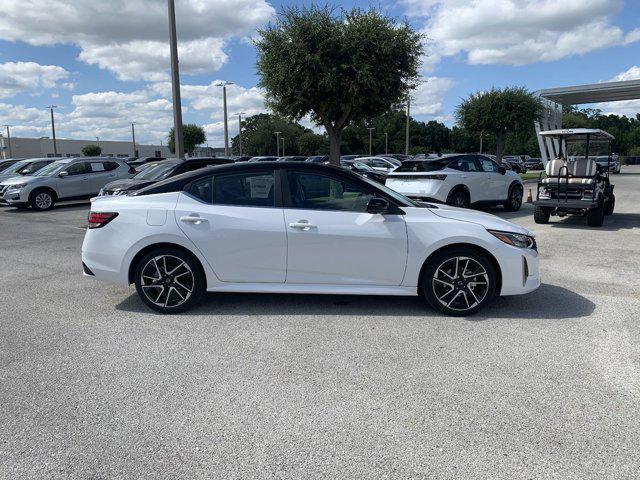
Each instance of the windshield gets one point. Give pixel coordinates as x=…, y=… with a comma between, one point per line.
x=156, y=171
x=16, y=167
x=422, y=166
x=51, y=168
x=360, y=166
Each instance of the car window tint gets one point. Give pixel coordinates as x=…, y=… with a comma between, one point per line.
x=464, y=163
x=376, y=162
x=78, y=168
x=108, y=166
x=190, y=167
x=488, y=165
x=245, y=189
x=320, y=192
x=203, y=189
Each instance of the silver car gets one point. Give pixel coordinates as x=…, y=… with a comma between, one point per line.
x=66, y=179
x=28, y=166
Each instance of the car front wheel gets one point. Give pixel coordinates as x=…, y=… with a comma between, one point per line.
x=459, y=281
x=169, y=280
x=42, y=200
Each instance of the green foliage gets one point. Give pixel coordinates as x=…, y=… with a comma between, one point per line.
x=259, y=138
x=91, y=150
x=498, y=112
x=336, y=66
x=193, y=136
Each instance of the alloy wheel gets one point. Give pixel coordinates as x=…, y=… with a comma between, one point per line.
x=167, y=281
x=43, y=201
x=516, y=198
x=460, y=283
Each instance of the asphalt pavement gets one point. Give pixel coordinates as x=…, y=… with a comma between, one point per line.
x=93, y=385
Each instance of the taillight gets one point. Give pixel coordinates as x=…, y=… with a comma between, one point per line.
x=100, y=219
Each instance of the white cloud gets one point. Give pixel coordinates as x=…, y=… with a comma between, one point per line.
x=17, y=77
x=630, y=108
x=517, y=32
x=130, y=37
x=427, y=98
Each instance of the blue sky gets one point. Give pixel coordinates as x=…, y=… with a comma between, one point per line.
x=105, y=63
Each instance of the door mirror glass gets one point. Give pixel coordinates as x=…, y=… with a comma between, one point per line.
x=63, y=174
x=378, y=206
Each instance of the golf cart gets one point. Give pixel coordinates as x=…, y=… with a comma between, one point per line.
x=579, y=186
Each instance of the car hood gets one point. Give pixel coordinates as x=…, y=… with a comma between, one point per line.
x=14, y=179
x=488, y=221
x=128, y=184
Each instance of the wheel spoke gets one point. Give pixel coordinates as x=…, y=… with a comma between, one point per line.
x=465, y=280
x=470, y=290
x=454, y=298
x=443, y=282
x=181, y=285
x=171, y=288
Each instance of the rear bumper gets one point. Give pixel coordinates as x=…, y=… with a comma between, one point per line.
x=568, y=204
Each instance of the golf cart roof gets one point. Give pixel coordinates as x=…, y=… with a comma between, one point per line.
x=578, y=134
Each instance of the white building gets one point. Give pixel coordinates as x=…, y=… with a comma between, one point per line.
x=43, y=147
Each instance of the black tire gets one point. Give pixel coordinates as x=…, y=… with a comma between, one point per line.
x=514, y=201
x=463, y=299
x=42, y=199
x=541, y=215
x=458, y=198
x=595, y=216
x=610, y=205
x=163, y=295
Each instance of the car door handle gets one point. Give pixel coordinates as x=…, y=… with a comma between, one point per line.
x=302, y=225
x=193, y=219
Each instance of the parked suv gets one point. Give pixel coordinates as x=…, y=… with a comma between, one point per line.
x=66, y=179
x=460, y=180
x=154, y=172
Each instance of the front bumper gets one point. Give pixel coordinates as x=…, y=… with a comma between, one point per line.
x=520, y=271
x=13, y=197
x=567, y=204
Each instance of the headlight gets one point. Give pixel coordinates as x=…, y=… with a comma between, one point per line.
x=16, y=186
x=515, y=239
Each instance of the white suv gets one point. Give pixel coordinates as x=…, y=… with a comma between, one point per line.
x=460, y=180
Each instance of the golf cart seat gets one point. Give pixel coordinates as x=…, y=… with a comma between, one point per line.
x=555, y=168
x=583, y=171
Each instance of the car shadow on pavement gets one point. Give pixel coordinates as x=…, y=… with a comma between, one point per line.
x=67, y=207
x=613, y=223
x=548, y=302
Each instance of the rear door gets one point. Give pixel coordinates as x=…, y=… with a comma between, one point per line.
x=472, y=176
x=233, y=220
x=331, y=237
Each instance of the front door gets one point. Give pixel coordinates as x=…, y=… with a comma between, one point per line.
x=76, y=183
x=496, y=185
x=333, y=240
x=232, y=219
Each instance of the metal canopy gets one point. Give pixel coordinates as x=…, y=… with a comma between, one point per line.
x=578, y=134
x=593, y=93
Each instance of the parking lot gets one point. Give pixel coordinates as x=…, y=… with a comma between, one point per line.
x=94, y=385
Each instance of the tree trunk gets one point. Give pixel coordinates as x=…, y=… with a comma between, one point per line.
x=334, y=147
x=499, y=137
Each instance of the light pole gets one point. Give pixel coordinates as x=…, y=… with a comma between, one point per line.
x=133, y=137
x=370, y=130
x=386, y=142
x=224, y=105
x=178, y=136
x=406, y=147
x=9, y=141
x=277, y=143
x=283, y=146
x=53, y=130
x=239, y=114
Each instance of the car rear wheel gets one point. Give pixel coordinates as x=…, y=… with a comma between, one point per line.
x=458, y=198
x=541, y=215
x=595, y=216
x=514, y=202
x=169, y=280
x=459, y=281
x=42, y=200
x=610, y=205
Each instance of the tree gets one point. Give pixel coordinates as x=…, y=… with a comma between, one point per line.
x=437, y=136
x=337, y=68
x=91, y=150
x=259, y=138
x=193, y=136
x=498, y=112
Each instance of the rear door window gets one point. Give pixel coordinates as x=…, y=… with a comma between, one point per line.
x=251, y=189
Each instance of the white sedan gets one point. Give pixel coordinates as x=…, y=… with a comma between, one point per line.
x=461, y=180
x=301, y=228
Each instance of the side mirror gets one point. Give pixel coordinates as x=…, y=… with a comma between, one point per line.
x=63, y=174
x=378, y=206
x=502, y=170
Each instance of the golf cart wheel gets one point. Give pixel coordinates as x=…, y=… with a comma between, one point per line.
x=514, y=202
x=42, y=199
x=458, y=198
x=459, y=281
x=610, y=205
x=541, y=215
x=595, y=216
x=169, y=280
